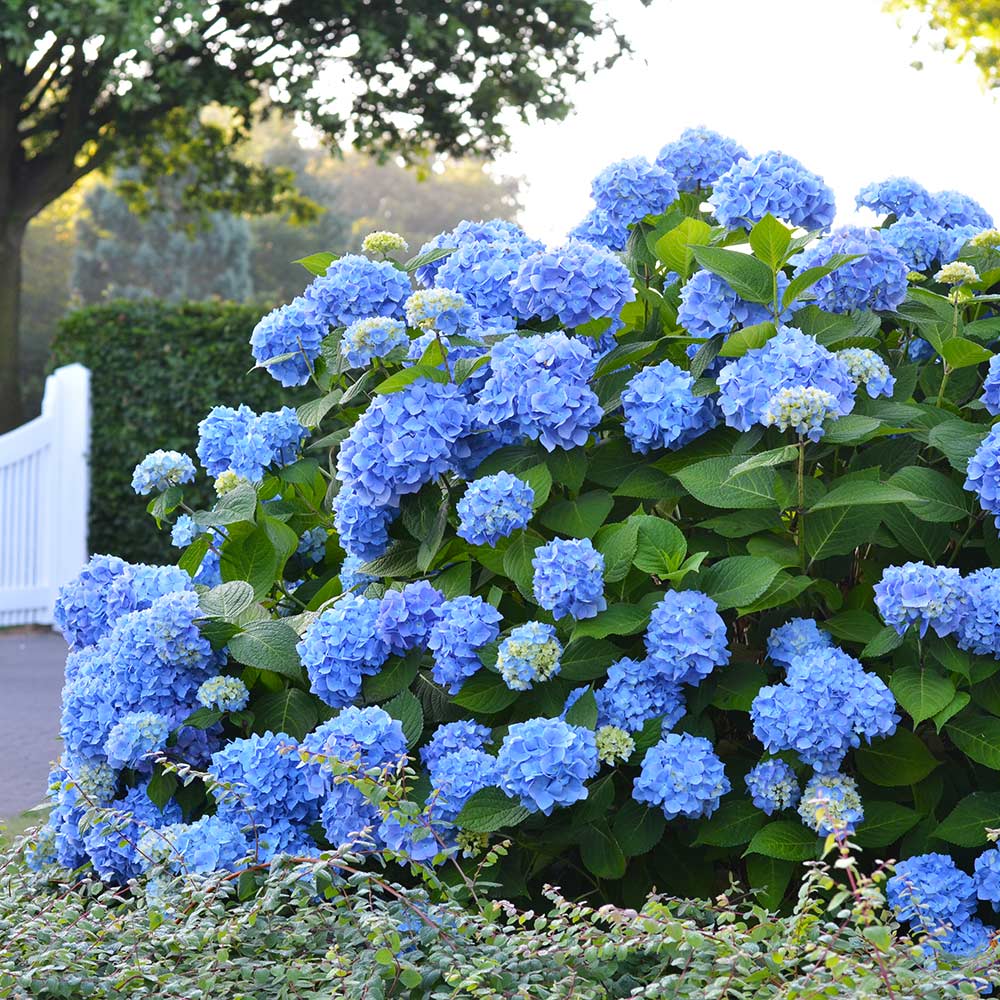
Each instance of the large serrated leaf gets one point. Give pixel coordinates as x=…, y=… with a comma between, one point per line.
x=268, y=645
x=489, y=810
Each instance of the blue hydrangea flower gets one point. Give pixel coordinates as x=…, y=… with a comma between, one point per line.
x=355, y=287
x=831, y=805
x=340, y=646
x=979, y=626
x=796, y=639
x=636, y=691
x=134, y=737
x=406, y=617
x=493, y=231
x=539, y=386
x=362, y=528
x=991, y=387
x=968, y=940
x=953, y=209
x=709, y=306
x=88, y=605
x=456, y=777
x=918, y=594
x=600, y=228
x=456, y=351
x=827, y=705
x=545, y=763
x=351, y=577
x=791, y=358
x=530, y=653
x=800, y=408
x=876, y=280
x=931, y=892
x=686, y=638
x=242, y=442
x=661, y=411
x=631, y=189
x=370, y=338
x=919, y=349
x=569, y=578
x=493, y=508
x=772, y=183
x=452, y=736
x=296, y=329
x=465, y=625
x=440, y=309
x=224, y=694
x=683, y=776
x=349, y=819
x=953, y=241
x=184, y=531
x=773, y=786
x=982, y=475
x=575, y=283
x=312, y=544
x=402, y=441
x=868, y=369
x=897, y=196
x=987, y=876
x=209, y=844
x=160, y=470
x=699, y=158
x=919, y=241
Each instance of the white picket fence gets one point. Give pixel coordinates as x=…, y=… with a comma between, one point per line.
x=44, y=486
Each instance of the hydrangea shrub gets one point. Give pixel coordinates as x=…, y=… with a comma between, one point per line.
x=666, y=552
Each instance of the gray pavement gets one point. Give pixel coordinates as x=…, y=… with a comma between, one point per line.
x=31, y=675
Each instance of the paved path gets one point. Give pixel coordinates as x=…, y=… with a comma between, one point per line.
x=31, y=675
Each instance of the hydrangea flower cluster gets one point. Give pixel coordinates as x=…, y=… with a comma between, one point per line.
x=709, y=306
x=979, y=627
x=868, y=369
x=613, y=744
x=493, y=231
x=160, y=470
x=795, y=639
x=772, y=183
x=406, y=617
x=931, y=892
x=440, y=309
x=455, y=778
x=209, y=844
x=242, y=442
x=918, y=594
x=662, y=411
x=569, y=578
x=987, y=876
x=957, y=273
x=384, y=242
x=351, y=576
x=530, y=653
x=982, y=475
x=493, y=508
x=831, y=805
x=773, y=786
x=800, y=408
x=223, y=694
x=577, y=283
x=600, y=228
x=636, y=691
x=699, y=157
x=451, y=736
x=991, y=387
x=791, y=358
x=363, y=530
x=463, y=627
x=897, y=196
x=375, y=337
x=952, y=209
x=545, y=762
x=919, y=241
x=631, y=189
x=292, y=334
x=686, y=638
x=312, y=544
x=355, y=287
x=134, y=737
x=683, y=776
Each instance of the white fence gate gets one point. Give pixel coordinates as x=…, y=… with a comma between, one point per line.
x=44, y=485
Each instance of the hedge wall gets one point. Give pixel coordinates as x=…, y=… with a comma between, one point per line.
x=157, y=369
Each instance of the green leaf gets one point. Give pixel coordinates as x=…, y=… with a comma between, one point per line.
x=967, y=823
x=268, y=645
x=311, y=414
x=786, y=841
x=675, y=248
x=583, y=711
x=769, y=240
x=859, y=493
x=710, y=482
x=956, y=705
x=427, y=257
x=738, y=580
x=165, y=503
x=202, y=718
x=239, y=504
x=517, y=562
x=407, y=376
x=732, y=825
x=194, y=555
x=900, y=759
x=406, y=708
x=600, y=852
x=784, y=589
x=161, y=787
x=618, y=619
x=885, y=823
x=766, y=459
x=252, y=558
x=749, y=338
x=579, y=518
x=806, y=279
x=587, y=659
x=398, y=563
x=850, y=429
x=317, y=263
x=638, y=827
x=431, y=542
x=568, y=468
x=290, y=711
x=395, y=676
x=885, y=641
x=485, y=693
x=624, y=355
x=962, y=353
x=737, y=685
x=921, y=692
x=660, y=548
x=925, y=540
x=769, y=879
x=228, y=600
x=978, y=737
x=489, y=810
x=618, y=544
x=748, y=277
x=539, y=479
x=853, y=625
x=958, y=441
x=940, y=498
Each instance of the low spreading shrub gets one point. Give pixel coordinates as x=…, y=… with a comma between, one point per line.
x=665, y=564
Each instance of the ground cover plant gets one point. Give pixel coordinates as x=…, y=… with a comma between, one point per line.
x=664, y=554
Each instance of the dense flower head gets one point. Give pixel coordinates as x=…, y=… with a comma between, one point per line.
x=184, y=531
x=340, y=646
x=970, y=939
x=569, y=578
x=530, y=653
x=402, y=441
x=226, y=482
x=772, y=183
x=456, y=777
x=953, y=209
x=223, y=694
x=991, y=387
x=600, y=228
x=451, y=736
x=312, y=544
x=868, y=369
x=370, y=338
x=363, y=529
x=954, y=240
x=613, y=744
x=683, y=776
x=545, y=763
x=493, y=508
x=979, y=626
x=440, y=309
x=919, y=241
x=982, y=475
x=384, y=242
x=539, y=386
x=134, y=737
x=296, y=329
x=773, y=786
x=987, y=876
x=795, y=639
x=918, y=594
x=790, y=358
x=160, y=470
x=242, y=442
x=897, y=196
x=209, y=844
x=831, y=804
x=919, y=349
x=631, y=189
x=686, y=638
x=636, y=691
x=827, y=705
x=957, y=273
x=877, y=279
x=94, y=780
x=709, y=305
x=405, y=617
x=575, y=283
x=930, y=891
x=464, y=626
x=348, y=818
x=662, y=411
x=699, y=157
x=469, y=232
x=355, y=287
x=351, y=576
x=800, y=408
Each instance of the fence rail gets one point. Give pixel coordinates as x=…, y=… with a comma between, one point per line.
x=44, y=485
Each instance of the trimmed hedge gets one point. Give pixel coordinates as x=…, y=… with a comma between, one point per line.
x=157, y=369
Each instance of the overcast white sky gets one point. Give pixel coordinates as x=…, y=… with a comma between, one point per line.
x=830, y=82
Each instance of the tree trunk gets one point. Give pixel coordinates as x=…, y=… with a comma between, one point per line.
x=11, y=242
